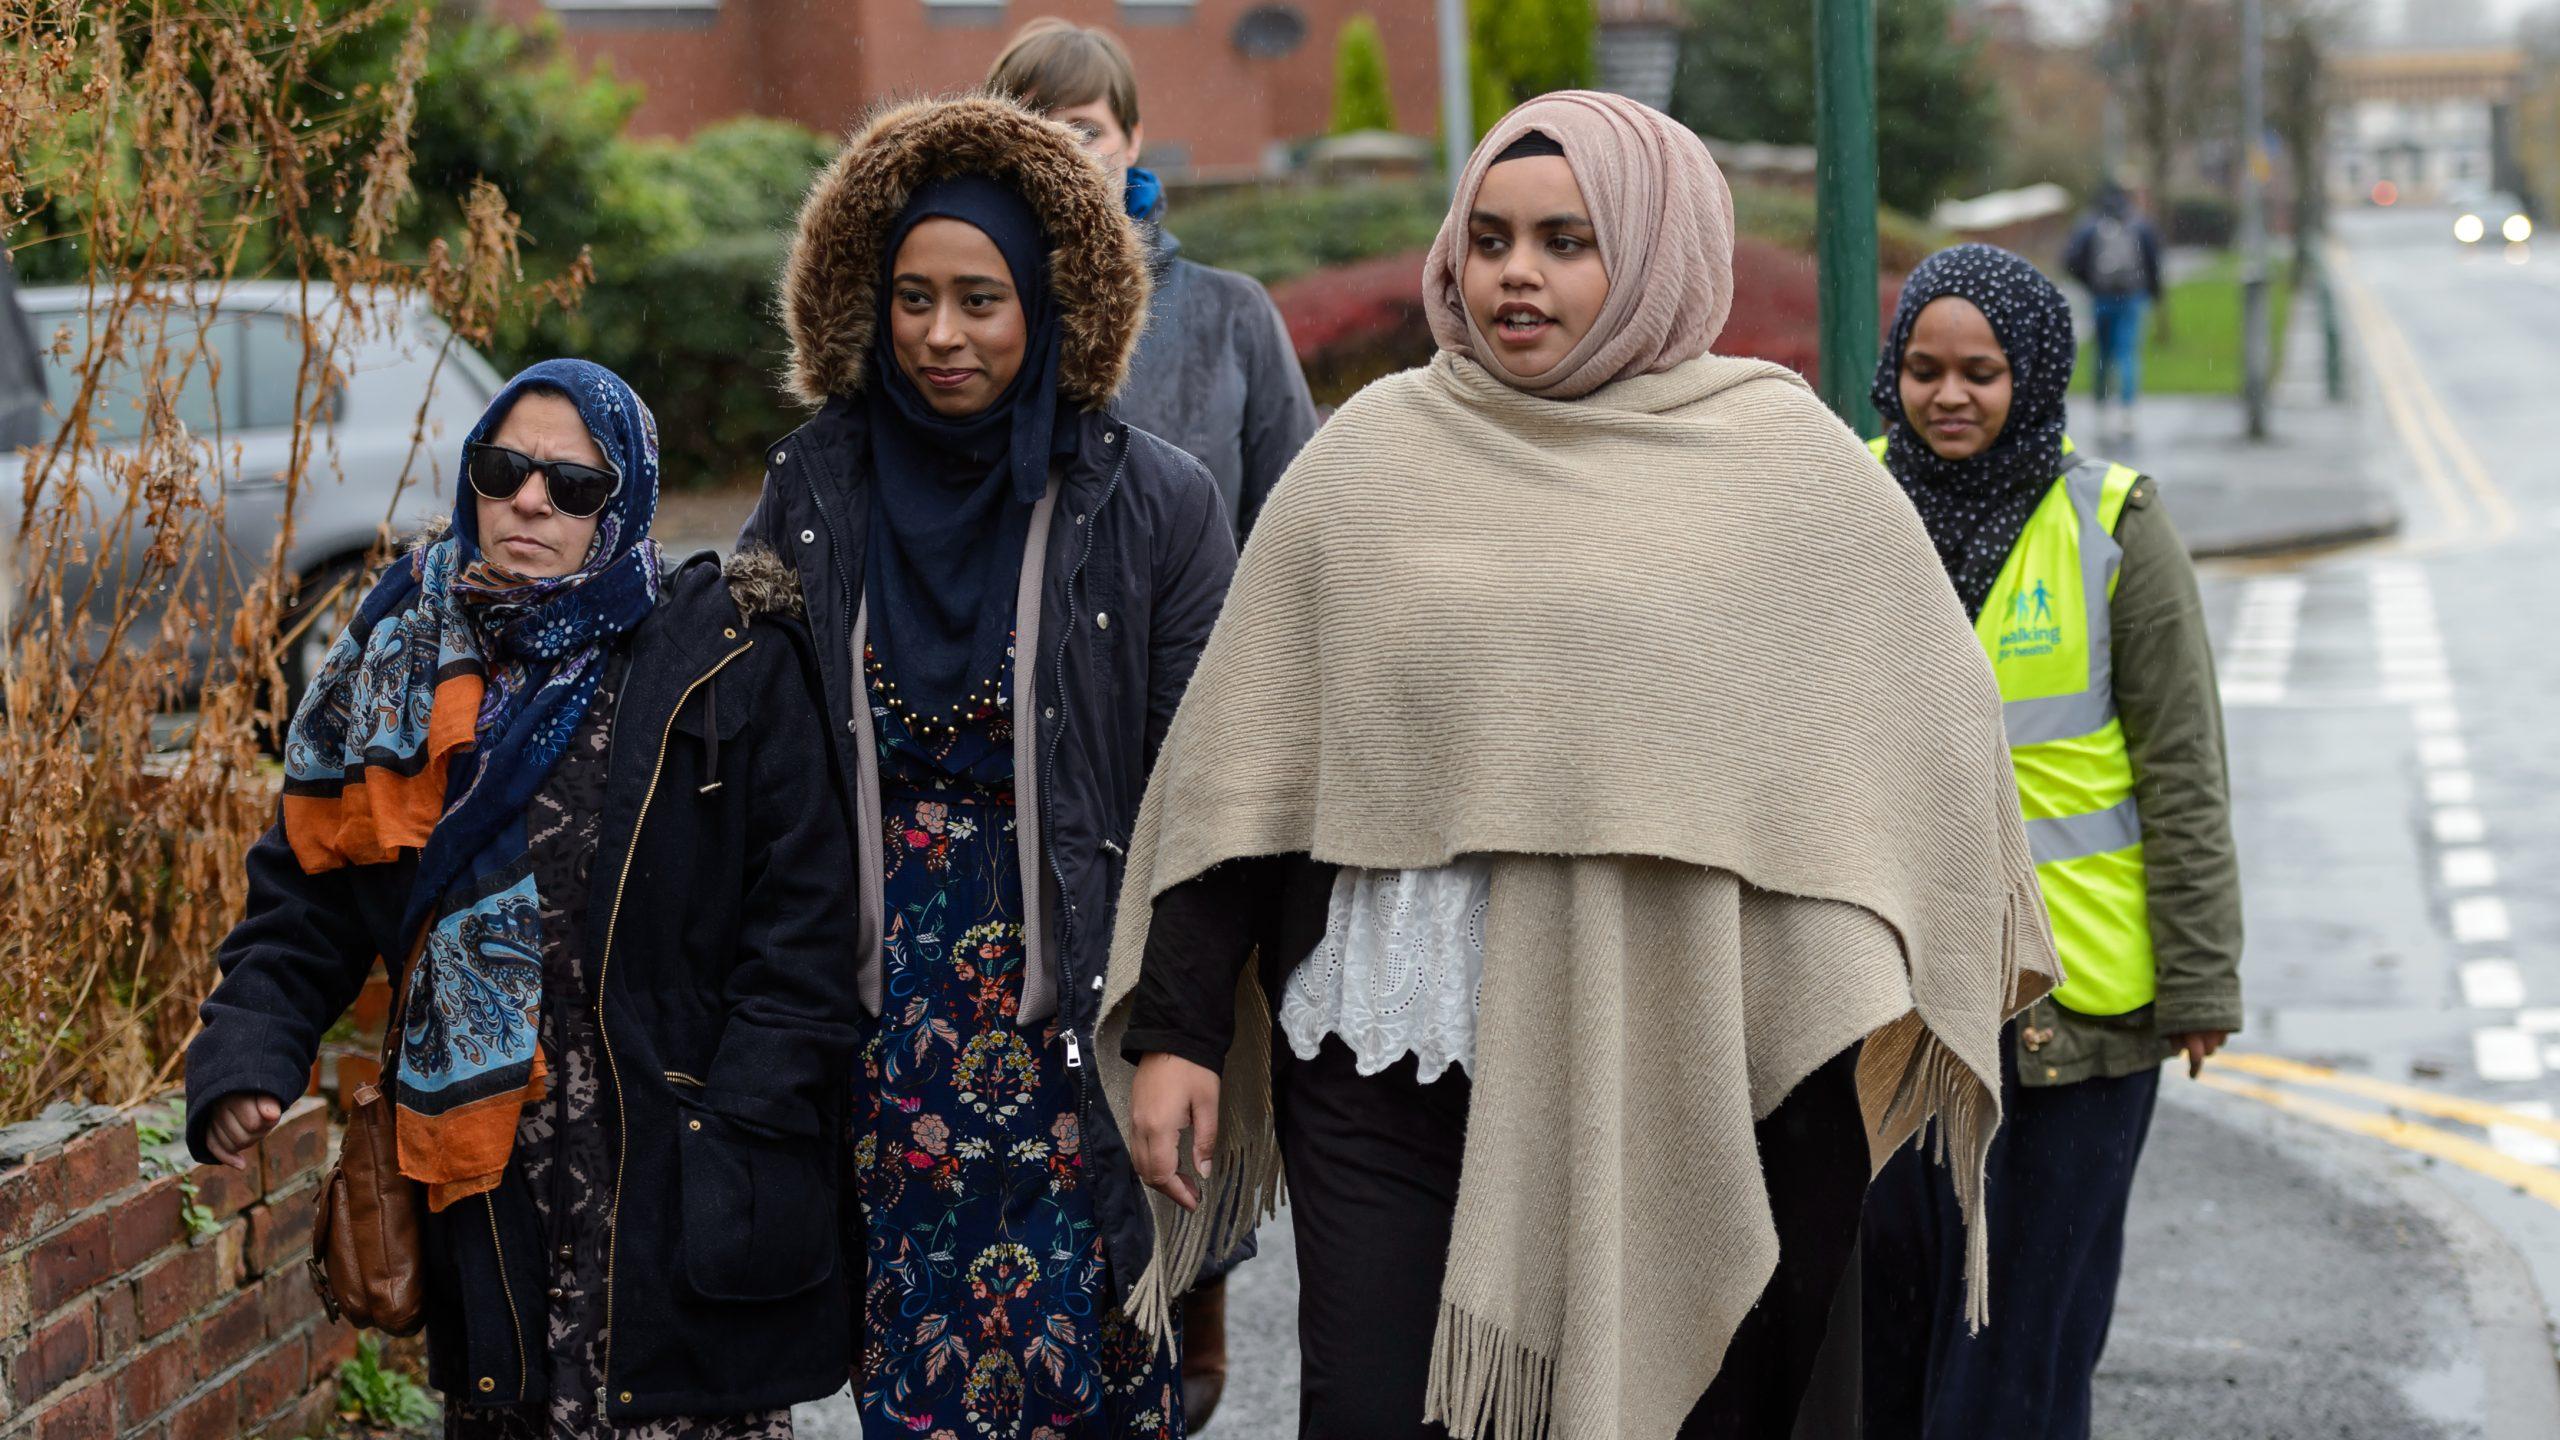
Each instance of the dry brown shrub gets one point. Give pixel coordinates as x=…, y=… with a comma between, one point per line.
x=180, y=146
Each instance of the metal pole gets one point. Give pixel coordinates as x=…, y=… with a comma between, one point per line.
x=2253, y=215
x=1457, y=107
x=1844, y=215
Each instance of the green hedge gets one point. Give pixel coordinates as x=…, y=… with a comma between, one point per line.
x=1279, y=232
x=687, y=252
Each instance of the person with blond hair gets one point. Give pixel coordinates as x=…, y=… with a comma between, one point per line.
x=1215, y=372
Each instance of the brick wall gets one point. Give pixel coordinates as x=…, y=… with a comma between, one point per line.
x=117, y=1321
x=1210, y=111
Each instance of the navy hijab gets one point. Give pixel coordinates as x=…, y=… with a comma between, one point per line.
x=951, y=498
x=1976, y=508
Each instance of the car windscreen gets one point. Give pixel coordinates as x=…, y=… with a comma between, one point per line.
x=22, y=386
x=236, y=372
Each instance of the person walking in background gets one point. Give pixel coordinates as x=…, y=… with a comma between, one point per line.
x=2115, y=255
x=590, y=805
x=2086, y=602
x=1010, y=585
x=1215, y=372
x=1609, y=910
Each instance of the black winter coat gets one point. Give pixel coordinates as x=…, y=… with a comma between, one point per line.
x=716, y=943
x=1136, y=567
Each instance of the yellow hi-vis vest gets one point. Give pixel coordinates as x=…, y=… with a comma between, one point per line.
x=2046, y=628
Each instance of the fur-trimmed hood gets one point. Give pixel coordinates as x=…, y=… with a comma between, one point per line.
x=763, y=586
x=831, y=282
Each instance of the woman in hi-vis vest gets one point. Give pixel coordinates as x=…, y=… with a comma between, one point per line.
x=2085, y=600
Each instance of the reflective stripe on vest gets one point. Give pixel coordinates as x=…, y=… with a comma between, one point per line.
x=2045, y=626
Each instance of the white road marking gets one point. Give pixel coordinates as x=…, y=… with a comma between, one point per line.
x=2470, y=869
x=2491, y=985
x=2481, y=920
x=2460, y=825
x=2449, y=787
x=2436, y=719
x=2260, y=657
x=2532, y=1147
x=2443, y=752
x=2505, y=1054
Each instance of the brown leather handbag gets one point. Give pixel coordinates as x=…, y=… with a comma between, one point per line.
x=366, y=1255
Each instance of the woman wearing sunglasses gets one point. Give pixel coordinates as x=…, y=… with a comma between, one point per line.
x=585, y=806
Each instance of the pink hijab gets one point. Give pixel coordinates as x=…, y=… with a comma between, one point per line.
x=1664, y=217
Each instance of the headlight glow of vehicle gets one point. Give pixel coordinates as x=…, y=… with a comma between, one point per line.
x=2518, y=229
x=2469, y=229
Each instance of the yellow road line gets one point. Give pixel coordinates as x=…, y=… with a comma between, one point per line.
x=2406, y=1097
x=2533, y=1180
x=2391, y=382
x=2402, y=383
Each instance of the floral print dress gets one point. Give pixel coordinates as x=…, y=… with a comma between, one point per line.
x=989, y=1314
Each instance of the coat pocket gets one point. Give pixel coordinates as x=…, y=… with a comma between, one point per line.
x=758, y=1212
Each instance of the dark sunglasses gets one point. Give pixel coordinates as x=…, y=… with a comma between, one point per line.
x=577, y=491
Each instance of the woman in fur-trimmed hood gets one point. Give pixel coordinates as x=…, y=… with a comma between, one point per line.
x=1009, y=586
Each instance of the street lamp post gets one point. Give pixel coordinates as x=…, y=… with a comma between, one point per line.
x=1844, y=100
x=2254, y=360
x=1457, y=106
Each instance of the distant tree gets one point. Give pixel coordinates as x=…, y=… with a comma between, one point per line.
x=2301, y=35
x=1525, y=48
x=2177, y=79
x=1746, y=73
x=1361, y=97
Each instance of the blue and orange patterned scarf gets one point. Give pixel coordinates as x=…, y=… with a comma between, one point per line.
x=436, y=717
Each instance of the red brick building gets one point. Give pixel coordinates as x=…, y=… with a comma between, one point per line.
x=1213, y=107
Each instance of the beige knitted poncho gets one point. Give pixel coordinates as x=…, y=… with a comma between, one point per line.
x=1679, y=659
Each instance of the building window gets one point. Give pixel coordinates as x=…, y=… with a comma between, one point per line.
x=636, y=14
x=964, y=13
x=1156, y=12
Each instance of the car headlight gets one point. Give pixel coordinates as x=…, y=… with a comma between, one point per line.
x=2518, y=229
x=2469, y=229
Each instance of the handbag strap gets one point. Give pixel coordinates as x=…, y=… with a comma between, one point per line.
x=403, y=978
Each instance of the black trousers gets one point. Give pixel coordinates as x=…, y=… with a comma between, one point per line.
x=2059, y=1180
x=1373, y=1167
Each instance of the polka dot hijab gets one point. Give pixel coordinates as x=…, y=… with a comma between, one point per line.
x=1976, y=507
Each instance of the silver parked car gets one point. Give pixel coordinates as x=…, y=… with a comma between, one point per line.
x=386, y=451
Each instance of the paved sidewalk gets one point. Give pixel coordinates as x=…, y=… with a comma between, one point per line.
x=2316, y=482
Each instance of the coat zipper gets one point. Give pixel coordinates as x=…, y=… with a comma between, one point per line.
x=835, y=555
x=1048, y=803
x=515, y=1320
x=604, y=973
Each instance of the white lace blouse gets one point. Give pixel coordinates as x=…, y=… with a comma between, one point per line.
x=1397, y=970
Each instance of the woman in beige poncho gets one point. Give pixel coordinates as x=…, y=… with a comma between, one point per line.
x=1589, y=715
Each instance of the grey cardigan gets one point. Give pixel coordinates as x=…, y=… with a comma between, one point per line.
x=1216, y=375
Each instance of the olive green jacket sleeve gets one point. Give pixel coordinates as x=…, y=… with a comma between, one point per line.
x=2172, y=712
